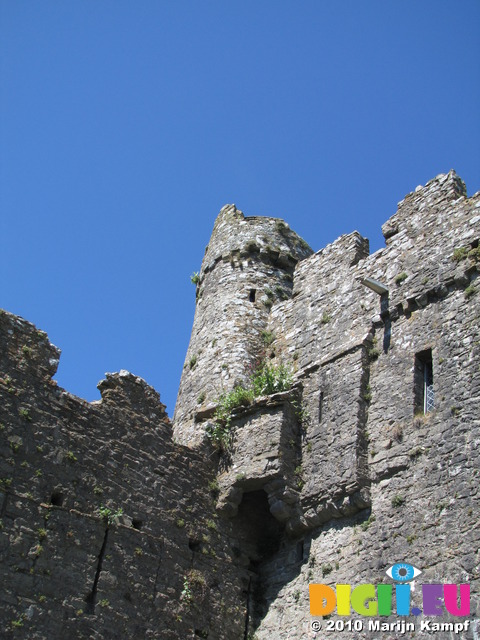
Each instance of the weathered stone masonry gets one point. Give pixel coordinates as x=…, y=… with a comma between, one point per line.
x=68, y=571
x=113, y=525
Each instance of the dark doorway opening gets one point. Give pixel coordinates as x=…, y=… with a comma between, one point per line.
x=259, y=537
x=260, y=533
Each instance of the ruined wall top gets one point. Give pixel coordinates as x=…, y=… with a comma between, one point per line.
x=235, y=235
x=446, y=187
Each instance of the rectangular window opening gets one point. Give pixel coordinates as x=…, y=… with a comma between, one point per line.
x=423, y=382
x=252, y=295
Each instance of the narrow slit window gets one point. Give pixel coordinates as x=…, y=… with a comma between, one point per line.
x=253, y=293
x=423, y=384
x=320, y=407
x=300, y=550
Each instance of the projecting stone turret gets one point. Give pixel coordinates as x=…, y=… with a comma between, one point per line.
x=248, y=266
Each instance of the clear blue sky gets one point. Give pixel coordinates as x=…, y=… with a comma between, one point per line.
x=125, y=126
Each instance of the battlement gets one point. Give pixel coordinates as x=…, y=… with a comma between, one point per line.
x=433, y=197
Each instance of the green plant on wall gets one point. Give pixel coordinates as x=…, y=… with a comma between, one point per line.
x=219, y=431
x=270, y=378
x=186, y=594
x=398, y=500
x=25, y=413
x=110, y=516
x=267, y=337
x=238, y=397
x=302, y=413
x=460, y=253
x=265, y=380
x=373, y=351
x=469, y=292
x=71, y=457
x=220, y=435
x=194, y=586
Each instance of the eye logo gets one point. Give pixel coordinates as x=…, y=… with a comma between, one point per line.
x=402, y=572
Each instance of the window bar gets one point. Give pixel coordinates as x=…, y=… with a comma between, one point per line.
x=428, y=387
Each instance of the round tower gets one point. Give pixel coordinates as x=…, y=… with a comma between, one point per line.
x=247, y=267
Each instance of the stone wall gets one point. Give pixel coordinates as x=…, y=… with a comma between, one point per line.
x=110, y=528
x=411, y=477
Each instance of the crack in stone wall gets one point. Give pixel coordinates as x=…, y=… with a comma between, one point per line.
x=91, y=598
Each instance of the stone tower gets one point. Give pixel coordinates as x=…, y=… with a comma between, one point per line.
x=247, y=268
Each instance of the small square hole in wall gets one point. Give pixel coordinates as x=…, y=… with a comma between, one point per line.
x=56, y=499
x=194, y=545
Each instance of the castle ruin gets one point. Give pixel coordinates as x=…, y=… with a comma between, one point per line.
x=118, y=523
